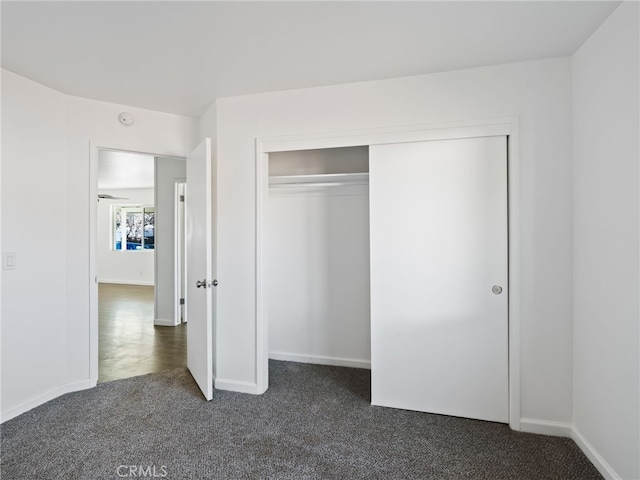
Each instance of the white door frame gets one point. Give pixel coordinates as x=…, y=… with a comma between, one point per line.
x=178, y=249
x=479, y=128
x=94, y=148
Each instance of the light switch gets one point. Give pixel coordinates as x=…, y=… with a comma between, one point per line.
x=9, y=260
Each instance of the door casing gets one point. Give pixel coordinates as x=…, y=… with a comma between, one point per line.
x=507, y=126
x=179, y=230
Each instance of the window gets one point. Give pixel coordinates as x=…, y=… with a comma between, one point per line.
x=133, y=227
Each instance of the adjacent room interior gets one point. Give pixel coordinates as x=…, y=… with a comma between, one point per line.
x=134, y=337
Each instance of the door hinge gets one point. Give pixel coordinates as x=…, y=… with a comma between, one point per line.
x=182, y=301
x=182, y=198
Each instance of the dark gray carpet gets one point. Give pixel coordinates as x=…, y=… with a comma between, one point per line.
x=314, y=422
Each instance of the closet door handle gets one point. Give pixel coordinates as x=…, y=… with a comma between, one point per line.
x=201, y=283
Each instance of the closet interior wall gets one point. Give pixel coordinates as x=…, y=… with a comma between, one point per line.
x=318, y=257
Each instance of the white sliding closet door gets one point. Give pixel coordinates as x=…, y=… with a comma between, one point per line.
x=439, y=276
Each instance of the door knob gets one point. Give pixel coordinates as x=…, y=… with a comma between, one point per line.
x=214, y=283
x=201, y=283
x=496, y=289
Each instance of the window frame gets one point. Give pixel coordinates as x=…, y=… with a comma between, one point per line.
x=125, y=208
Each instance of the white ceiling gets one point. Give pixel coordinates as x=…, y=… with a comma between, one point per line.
x=118, y=170
x=180, y=56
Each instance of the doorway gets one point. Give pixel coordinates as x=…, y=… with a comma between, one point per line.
x=137, y=329
x=506, y=127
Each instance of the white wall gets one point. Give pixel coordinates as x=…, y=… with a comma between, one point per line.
x=539, y=92
x=133, y=267
x=606, y=242
x=34, y=226
x=168, y=171
x=318, y=263
x=328, y=160
x=45, y=150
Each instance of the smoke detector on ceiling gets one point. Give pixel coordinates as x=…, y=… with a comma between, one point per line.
x=126, y=119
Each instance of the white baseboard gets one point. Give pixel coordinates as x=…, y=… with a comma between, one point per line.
x=127, y=282
x=562, y=429
x=44, y=398
x=252, y=388
x=164, y=322
x=592, y=454
x=546, y=427
x=320, y=360
x=236, y=386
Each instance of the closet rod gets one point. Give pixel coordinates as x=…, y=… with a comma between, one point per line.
x=319, y=180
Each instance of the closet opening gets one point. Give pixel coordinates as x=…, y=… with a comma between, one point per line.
x=317, y=258
x=430, y=189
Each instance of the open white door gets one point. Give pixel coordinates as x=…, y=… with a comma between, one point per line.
x=439, y=277
x=200, y=258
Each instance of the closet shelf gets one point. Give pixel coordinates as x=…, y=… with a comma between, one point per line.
x=319, y=180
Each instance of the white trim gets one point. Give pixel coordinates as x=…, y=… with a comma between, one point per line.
x=155, y=255
x=320, y=360
x=545, y=427
x=44, y=398
x=126, y=282
x=465, y=129
x=513, y=205
x=262, y=318
x=563, y=429
x=93, y=259
x=94, y=147
x=401, y=134
x=177, y=257
x=164, y=322
x=592, y=454
x=236, y=386
x=178, y=246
